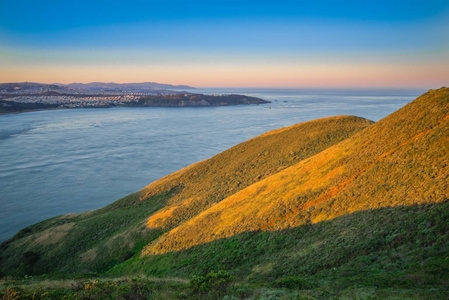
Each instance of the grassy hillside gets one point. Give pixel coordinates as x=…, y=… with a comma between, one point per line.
x=98, y=240
x=330, y=208
x=206, y=183
x=401, y=160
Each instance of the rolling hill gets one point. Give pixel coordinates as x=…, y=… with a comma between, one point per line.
x=335, y=203
x=401, y=160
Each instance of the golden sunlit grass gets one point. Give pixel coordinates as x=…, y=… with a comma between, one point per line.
x=401, y=160
x=206, y=183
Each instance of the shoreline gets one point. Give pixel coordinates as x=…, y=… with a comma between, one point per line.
x=130, y=106
x=46, y=109
x=27, y=111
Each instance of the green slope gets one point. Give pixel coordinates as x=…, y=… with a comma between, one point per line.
x=399, y=247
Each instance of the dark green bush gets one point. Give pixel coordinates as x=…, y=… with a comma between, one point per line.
x=30, y=257
x=292, y=282
x=212, y=286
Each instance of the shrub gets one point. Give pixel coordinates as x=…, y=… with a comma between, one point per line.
x=212, y=286
x=292, y=282
x=30, y=257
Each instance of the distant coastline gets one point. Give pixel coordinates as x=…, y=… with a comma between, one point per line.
x=28, y=96
x=176, y=100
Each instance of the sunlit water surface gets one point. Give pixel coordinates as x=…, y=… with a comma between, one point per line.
x=70, y=161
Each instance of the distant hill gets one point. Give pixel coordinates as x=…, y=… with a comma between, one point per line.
x=11, y=107
x=331, y=203
x=12, y=87
x=182, y=100
x=143, y=86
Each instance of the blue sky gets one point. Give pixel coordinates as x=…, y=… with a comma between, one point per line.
x=227, y=43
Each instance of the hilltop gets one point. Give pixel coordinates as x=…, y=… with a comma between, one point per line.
x=334, y=203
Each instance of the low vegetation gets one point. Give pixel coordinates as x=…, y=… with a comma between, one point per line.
x=401, y=247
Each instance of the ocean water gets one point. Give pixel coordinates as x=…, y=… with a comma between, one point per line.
x=70, y=161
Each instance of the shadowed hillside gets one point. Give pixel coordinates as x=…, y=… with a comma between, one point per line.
x=101, y=239
x=403, y=246
x=401, y=160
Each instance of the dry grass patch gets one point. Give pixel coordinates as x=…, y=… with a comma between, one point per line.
x=53, y=235
x=89, y=255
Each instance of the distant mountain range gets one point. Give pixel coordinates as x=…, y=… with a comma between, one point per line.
x=126, y=86
x=14, y=87
x=94, y=86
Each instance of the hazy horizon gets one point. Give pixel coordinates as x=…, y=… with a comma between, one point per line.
x=285, y=88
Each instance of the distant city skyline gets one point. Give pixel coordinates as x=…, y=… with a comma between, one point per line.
x=326, y=44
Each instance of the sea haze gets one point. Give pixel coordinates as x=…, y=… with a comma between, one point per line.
x=70, y=161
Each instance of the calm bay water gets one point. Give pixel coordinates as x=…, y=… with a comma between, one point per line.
x=70, y=161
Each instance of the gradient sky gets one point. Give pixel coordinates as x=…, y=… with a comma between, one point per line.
x=227, y=43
